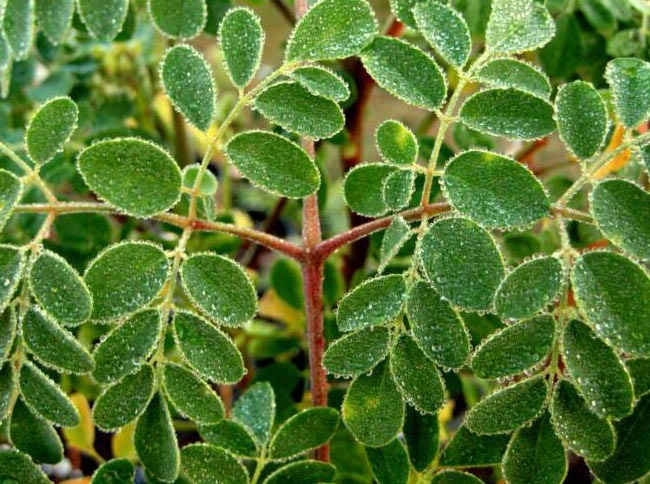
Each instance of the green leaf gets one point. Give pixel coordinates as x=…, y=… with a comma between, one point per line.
x=231, y=436
x=398, y=189
x=416, y=376
x=396, y=143
x=629, y=81
x=242, y=41
x=630, y=460
x=614, y=294
x=6, y=388
x=582, y=118
x=373, y=302
x=403, y=10
x=188, y=82
x=421, y=436
x=514, y=349
x=373, y=409
x=52, y=345
x=467, y=449
x=450, y=476
x=509, y=408
x=396, y=236
x=8, y=324
x=290, y=105
x=209, y=182
x=127, y=347
x=363, y=188
x=518, y=26
x=178, y=19
x=496, y=191
x=322, y=82
x=390, y=463
x=462, y=261
x=12, y=261
x=303, y=432
x=302, y=472
x=17, y=467
x=34, y=436
x=437, y=327
x=598, y=372
x=510, y=113
x=132, y=174
x=584, y=432
x=445, y=30
x=599, y=15
x=274, y=163
x=255, y=409
x=59, y=290
x=191, y=396
x=639, y=369
x=206, y=464
x=18, y=26
x=286, y=281
x=221, y=288
x=535, y=455
x=565, y=52
x=405, y=72
x=332, y=29
x=11, y=189
x=207, y=349
x=528, y=289
x=124, y=278
x=44, y=397
x=516, y=74
x=51, y=128
x=357, y=352
x=155, y=441
x=116, y=471
x=103, y=18
x=622, y=211
x=125, y=400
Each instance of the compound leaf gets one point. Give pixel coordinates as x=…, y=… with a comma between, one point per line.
x=494, y=190
x=451, y=476
x=255, y=409
x=188, y=82
x=528, y=289
x=131, y=174
x=242, y=41
x=221, y=288
x=302, y=472
x=397, y=234
x=322, y=82
x=405, y=72
x=292, y=106
x=614, y=294
x=179, y=19
x=598, y=372
x=390, y=463
x=191, y=396
x=509, y=408
x=32, y=435
x=467, y=449
x=11, y=189
x=274, y=163
x=127, y=347
x=125, y=400
x=396, y=143
x=510, y=113
x=12, y=261
x=445, y=30
x=373, y=302
x=205, y=464
x=103, y=18
x=357, y=352
x=421, y=436
x=582, y=118
x=622, y=211
x=373, y=409
x=18, y=467
x=303, y=432
x=207, y=349
x=51, y=128
x=114, y=471
x=535, y=455
x=463, y=263
x=59, y=290
x=513, y=73
x=363, y=188
x=332, y=29
x=231, y=436
x=629, y=80
x=514, y=349
x=18, y=26
x=518, y=26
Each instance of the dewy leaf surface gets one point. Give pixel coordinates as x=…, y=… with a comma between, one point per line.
x=51, y=128
x=357, y=352
x=188, y=82
x=205, y=464
x=396, y=143
x=18, y=467
x=12, y=261
x=405, y=72
x=113, y=472
x=332, y=29
x=629, y=82
x=445, y=30
x=390, y=463
x=231, y=436
x=255, y=409
x=467, y=449
x=322, y=82
x=302, y=471
x=11, y=189
x=494, y=190
x=304, y=431
x=274, y=163
x=132, y=174
x=451, y=476
x=398, y=189
x=513, y=73
x=517, y=26
x=178, y=19
x=422, y=437
x=363, y=188
x=242, y=41
x=397, y=234
x=18, y=26
x=462, y=261
x=103, y=18
x=32, y=435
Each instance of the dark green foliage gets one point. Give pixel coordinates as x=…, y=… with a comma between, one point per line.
x=389, y=463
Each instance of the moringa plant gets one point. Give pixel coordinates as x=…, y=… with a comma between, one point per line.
x=494, y=326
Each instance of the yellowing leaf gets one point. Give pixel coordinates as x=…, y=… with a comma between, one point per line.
x=83, y=435
x=620, y=160
x=122, y=443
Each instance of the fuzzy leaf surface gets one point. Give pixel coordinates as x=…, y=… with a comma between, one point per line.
x=51, y=128
x=242, y=41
